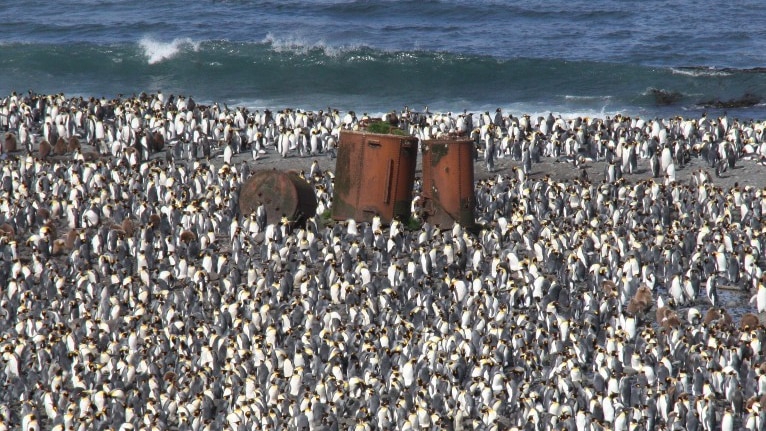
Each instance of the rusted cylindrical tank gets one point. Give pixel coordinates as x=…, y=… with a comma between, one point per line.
x=281, y=193
x=448, y=177
x=374, y=174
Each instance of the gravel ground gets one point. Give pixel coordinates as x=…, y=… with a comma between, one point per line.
x=746, y=173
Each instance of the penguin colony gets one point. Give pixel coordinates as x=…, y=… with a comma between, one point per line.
x=134, y=296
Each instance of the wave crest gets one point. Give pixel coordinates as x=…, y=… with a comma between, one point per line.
x=698, y=71
x=156, y=51
x=300, y=46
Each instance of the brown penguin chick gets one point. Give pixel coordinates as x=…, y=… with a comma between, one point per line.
x=43, y=213
x=188, y=236
x=718, y=316
x=9, y=145
x=634, y=307
x=641, y=301
x=671, y=321
x=129, y=227
x=158, y=141
x=644, y=296
x=59, y=247
x=667, y=318
x=60, y=148
x=73, y=145
x=609, y=288
x=70, y=238
x=711, y=315
x=660, y=314
x=44, y=149
x=7, y=230
x=154, y=220
x=749, y=321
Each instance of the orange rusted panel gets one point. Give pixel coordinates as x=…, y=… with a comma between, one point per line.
x=283, y=194
x=374, y=174
x=448, y=177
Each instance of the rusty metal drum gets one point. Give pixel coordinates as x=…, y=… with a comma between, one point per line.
x=374, y=175
x=448, y=182
x=283, y=194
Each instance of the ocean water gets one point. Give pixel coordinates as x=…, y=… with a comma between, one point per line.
x=575, y=57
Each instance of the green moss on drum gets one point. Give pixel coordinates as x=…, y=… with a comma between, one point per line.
x=384, y=128
x=437, y=152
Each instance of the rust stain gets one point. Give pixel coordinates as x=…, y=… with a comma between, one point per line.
x=448, y=177
x=281, y=193
x=374, y=174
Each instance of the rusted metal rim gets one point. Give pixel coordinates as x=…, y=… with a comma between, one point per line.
x=283, y=194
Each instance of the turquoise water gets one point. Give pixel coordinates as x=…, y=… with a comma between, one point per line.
x=572, y=58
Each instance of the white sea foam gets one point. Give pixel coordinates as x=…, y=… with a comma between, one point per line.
x=572, y=114
x=299, y=45
x=699, y=72
x=157, y=51
x=585, y=98
x=535, y=110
